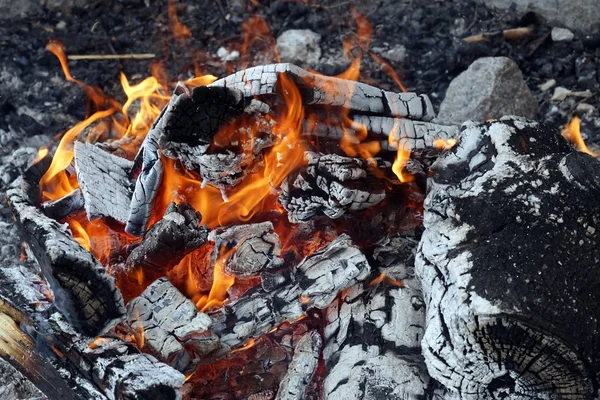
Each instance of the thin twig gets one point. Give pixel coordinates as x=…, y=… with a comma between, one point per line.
x=142, y=56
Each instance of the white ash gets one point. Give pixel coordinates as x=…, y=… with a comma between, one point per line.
x=300, y=45
x=302, y=367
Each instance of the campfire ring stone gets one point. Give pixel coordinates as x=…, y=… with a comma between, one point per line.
x=509, y=263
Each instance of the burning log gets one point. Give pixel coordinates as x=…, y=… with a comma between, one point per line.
x=65, y=206
x=302, y=367
x=315, y=282
x=83, y=290
x=329, y=91
x=252, y=248
x=170, y=239
x=508, y=315
x=373, y=334
x=332, y=185
x=169, y=326
x=104, y=182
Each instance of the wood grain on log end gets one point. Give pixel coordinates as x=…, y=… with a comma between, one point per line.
x=509, y=265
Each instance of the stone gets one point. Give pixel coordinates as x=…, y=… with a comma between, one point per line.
x=490, y=88
x=562, y=35
x=580, y=15
x=299, y=45
x=549, y=84
x=396, y=54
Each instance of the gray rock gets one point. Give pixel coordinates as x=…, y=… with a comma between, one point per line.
x=581, y=15
x=490, y=88
x=299, y=45
x=562, y=35
x=10, y=9
x=396, y=54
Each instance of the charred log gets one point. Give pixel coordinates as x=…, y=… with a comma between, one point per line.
x=169, y=240
x=168, y=325
x=373, y=334
x=302, y=367
x=331, y=185
x=104, y=182
x=249, y=248
x=329, y=91
x=83, y=290
x=315, y=282
x=65, y=206
x=509, y=315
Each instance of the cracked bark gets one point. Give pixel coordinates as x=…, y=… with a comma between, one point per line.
x=508, y=263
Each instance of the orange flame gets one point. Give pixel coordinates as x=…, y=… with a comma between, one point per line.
x=572, y=132
x=444, y=144
x=221, y=283
x=387, y=279
x=245, y=347
x=400, y=162
x=180, y=31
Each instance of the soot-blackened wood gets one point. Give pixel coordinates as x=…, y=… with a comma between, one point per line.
x=373, y=333
x=329, y=91
x=509, y=265
x=302, y=367
x=249, y=248
x=65, y=206
x=218, y=133
x=170, y=327
x=170, y=239
x=332, y=185
x=315, y=282
x=104, y=182
x=82, y=288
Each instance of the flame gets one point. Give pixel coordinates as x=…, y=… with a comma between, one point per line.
x=383, y=277
x=42, y=152
x=180, y=31
x=572, y=132
x=97, y=342
x=221, y=283
x=400, y=162
x=444, y=144
x=244, y=347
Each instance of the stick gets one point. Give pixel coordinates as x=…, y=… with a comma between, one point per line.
x=142, y=56
x=509, y=34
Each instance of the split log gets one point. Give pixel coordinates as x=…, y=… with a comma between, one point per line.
x=104, y=182
x=250, y=248
x=168, y=325
x=373, y=334
x=302, y=368
x=509, y=265
x=315, y=282
x=65, y=206
x=331, y=185
x=106, y=367
x=169, y=240
x=329, y=91
x=82, y=288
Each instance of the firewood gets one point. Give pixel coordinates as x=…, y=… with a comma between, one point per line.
x=104, y=182
x=83, y=290
x=315, y=282
x=302, y=367
x=373, y=334
x=250, y=248
x=169, y=240
x=332, y=185
x=169, y=326
x=65, y=206
x=509, y=265
x=329, y=91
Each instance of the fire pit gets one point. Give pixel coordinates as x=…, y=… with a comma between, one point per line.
x=283, y=234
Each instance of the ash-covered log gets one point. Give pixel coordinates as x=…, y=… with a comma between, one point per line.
x=84, y=292
x=332, y=185
x=315, y=282
x=373, y=333
x=168, y=325
x=104, y=182
x=302, y=367
x=509, y=265
x=250, y=248
x=329, y=91
x=169, y=240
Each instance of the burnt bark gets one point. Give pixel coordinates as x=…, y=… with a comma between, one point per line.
x=83, y=290
x=169, y=240
x=65, y=206
x=509, y=265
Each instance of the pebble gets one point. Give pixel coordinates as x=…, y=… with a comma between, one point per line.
x=547, y=85
x=226, y=55
x=61, y=25
x=583, y=108
x=299, y=45
x=562, y=35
